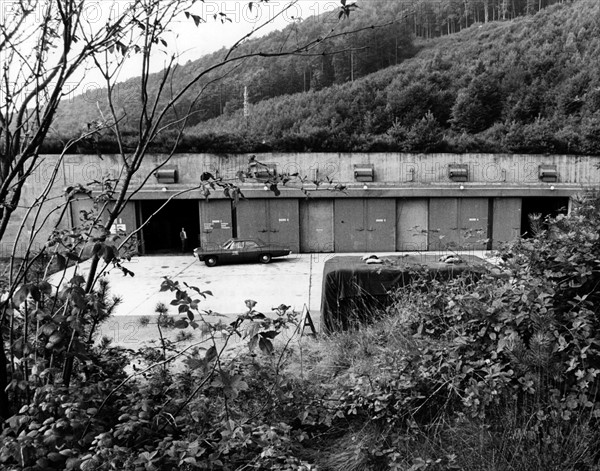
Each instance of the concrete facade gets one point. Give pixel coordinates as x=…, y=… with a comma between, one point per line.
x=412, y=203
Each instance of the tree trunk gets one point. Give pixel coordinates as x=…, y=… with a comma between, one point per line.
x=4, y=405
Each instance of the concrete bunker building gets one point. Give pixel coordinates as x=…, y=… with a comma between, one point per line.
x=392, y=201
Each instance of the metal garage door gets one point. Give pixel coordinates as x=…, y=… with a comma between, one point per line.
x=473, y=223
x=507, y=220
x=380, y=222
x=215, y=222
x=458, y=223
x=412, y=224
x=316, y=225
x=443, y=223
x=284, y=223
x=275, y=221
x=365, y=225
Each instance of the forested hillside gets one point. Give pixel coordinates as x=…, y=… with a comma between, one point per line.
x=522, y=79
x=527, y=85
x=369, y=50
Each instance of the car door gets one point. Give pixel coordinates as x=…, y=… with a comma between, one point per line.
x=251, y=250
x=236, y=252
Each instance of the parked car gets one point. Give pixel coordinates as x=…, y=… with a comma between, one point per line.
x=240, y=250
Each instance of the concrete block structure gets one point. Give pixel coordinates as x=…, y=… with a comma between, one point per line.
x=391, y=201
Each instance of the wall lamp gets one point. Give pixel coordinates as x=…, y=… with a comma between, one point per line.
x=365, y=187
x=461, y=187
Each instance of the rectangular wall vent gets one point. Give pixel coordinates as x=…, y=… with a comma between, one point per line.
x=166, y=175
x=548, y=173
x=263, y=172
x=458, y=172
x=364, y=173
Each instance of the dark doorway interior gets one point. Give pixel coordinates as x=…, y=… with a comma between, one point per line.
x=161, y=234
x=544, y=207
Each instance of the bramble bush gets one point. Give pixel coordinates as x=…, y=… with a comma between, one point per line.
x=214, y=410
x=498, y=371
x=494, y=371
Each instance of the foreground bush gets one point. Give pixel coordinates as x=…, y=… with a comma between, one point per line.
x=498, y=372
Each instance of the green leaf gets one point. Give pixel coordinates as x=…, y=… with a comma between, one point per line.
x=252, y=329
x=110, y=253
x=77, y=280
x=181, y=324
x=271, y=334
x=266, y=346
x=211, y=354
x=72, y=256
x=48, y=329
x=61, y=262
x=253, y=343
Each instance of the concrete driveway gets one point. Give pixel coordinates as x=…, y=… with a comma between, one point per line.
x=294, y=280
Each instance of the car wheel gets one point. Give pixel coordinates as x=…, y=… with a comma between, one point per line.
x=210, y=261
x=264, y=258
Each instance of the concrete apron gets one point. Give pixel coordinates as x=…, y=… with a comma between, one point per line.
x=295, y=281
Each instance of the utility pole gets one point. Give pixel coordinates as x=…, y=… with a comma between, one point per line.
x=246, y=105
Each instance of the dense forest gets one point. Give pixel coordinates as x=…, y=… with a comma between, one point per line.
x=529, y=85
x=476, y=76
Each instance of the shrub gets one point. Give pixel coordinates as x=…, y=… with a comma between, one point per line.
x=499, y=371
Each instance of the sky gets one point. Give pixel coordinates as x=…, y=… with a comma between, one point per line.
x=213, y=35
x=186, y=40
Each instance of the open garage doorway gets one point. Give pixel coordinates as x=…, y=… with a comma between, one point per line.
x=543, y=207
x=161, y=234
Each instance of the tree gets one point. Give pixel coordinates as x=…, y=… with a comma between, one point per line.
x=43, y=45
x=479, y=105
x=32, y=87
